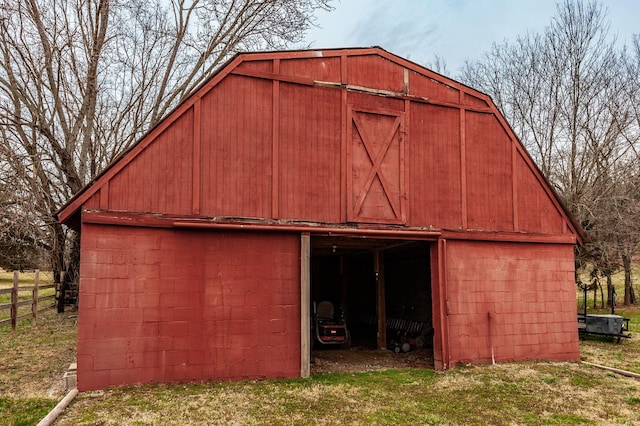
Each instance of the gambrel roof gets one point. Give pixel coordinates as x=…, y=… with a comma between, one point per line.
x=335, y=137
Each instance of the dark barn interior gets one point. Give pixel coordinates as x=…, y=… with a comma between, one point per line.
x=351, y=272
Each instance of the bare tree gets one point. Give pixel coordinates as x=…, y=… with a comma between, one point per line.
x=438, y=64
x=81, y=80
x=632, y=88
x=631, y=240
x=21, y=243
x=565, y=94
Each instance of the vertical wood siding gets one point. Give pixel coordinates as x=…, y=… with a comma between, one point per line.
x=318, y=69
x=422, y=86
x=472, y=101
x=94, y=202
x=158, y=180
x=275, y=149
x=489, y=177
x=536, y=212
x=310, y=153
x=434, y=166
x=264, y=66
x=236, y=148
x=375, y=72
x=364, y=100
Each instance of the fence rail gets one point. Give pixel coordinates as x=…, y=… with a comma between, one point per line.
x=34, y=301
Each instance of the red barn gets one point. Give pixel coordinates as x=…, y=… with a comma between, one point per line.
x=350, y=175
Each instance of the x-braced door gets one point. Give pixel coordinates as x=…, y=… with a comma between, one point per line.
x=375, y=155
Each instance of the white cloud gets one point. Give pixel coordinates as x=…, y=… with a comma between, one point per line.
x=454, y=30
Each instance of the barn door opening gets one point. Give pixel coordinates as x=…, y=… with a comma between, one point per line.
x=375, y=155
x=347, y=272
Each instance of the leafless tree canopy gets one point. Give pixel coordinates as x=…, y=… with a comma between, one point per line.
x=81, y=80
x=572, y=97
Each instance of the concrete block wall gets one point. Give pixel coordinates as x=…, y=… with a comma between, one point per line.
x=527, y=289
x=160, y=305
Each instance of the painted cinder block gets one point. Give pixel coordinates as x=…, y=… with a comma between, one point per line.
x=169, y=325
x=144, y=300
x=92, y=379
x=529, y=320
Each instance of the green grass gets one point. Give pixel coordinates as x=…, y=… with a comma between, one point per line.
x=473, y=395
x=32, y=363
x=24, y=412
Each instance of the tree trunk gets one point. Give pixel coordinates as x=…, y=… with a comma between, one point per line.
x=65, y=257
x=601, y=295
x=629, y=294
x=58, y=263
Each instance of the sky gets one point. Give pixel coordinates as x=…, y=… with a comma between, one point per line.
x=455, y=30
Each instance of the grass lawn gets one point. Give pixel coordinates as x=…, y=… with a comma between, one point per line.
x=33, y=361
x=523, y=393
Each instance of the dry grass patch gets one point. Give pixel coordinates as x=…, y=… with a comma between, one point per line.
x=505, y=394
x=32, y=363
x=33, y=360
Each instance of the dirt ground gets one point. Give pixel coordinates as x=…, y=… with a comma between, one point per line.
x=330, y=360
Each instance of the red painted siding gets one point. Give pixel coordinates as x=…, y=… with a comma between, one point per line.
x=236, y=148
x=160, y=179
x=529, y=290
x=489, y=176
x=472, y=101
x=318, y=69
x=94, y=202
x=263, y=66
x=310, y=153
x=365, y=100
x=169, y=306
x=434, y=166
x=536, y=212
x=375, y=72
x=262, y=140
x=279, y=149
x=420, y=85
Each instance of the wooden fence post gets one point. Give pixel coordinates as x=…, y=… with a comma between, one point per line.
x=34, y=295
x=60, y=292
x=14, y=301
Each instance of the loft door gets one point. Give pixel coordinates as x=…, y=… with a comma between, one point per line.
x=375, y=157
